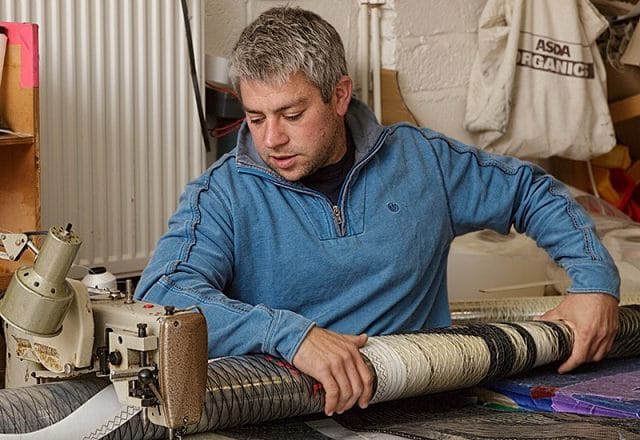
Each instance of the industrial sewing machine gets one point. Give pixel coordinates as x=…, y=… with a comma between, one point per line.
x=155, y=356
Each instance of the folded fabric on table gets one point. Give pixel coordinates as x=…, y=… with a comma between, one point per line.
x=608, y=388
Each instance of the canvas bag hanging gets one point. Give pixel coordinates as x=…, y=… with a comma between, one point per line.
x=538, y=83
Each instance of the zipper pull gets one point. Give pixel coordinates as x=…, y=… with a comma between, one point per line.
x=338, y=215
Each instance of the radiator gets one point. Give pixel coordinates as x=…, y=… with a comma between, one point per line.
x=119, y=128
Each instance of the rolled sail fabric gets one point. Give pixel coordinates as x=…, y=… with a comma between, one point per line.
x=513, y=309
x=35, y=407
x=259, y=388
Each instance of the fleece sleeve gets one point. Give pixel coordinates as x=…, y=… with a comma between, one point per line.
x=192, y=264
x=499, y=192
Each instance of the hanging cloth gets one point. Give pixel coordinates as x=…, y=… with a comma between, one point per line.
x=538, y=83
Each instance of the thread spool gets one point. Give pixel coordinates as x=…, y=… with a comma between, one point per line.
x=99, y=280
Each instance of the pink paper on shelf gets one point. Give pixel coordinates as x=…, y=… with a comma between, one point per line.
x=26, y=36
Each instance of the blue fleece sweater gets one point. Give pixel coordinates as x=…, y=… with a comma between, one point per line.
x=266, y=259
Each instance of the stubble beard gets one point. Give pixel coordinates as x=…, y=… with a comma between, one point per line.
x=325, y=156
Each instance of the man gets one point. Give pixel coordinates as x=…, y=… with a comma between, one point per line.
x=323, y=227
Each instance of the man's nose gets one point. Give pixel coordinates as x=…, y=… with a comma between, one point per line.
x=274, y=135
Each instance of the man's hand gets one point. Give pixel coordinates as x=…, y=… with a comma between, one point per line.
x=333, y=359
x=593, y=317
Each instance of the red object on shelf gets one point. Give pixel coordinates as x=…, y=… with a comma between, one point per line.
x=633, y=206
x=614, y=185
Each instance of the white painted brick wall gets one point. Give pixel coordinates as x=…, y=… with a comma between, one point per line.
x=431, y=43
x=223, y=22
x=435, y=47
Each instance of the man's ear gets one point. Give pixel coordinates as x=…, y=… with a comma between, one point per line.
x=343, y=90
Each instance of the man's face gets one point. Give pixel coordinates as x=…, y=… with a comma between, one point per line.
x=294, y=131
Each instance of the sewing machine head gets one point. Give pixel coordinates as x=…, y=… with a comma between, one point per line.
x=155, y=356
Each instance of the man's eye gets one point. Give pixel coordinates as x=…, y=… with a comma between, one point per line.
x=293, y=117
x=255, y=121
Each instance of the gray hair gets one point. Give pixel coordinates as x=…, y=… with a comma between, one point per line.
x=285, y=40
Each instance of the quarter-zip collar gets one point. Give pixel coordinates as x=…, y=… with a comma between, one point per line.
x=368, y=137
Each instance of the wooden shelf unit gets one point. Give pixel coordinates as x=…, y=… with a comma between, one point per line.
x=19, y=152
x=625, y=109
x=14, y=139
